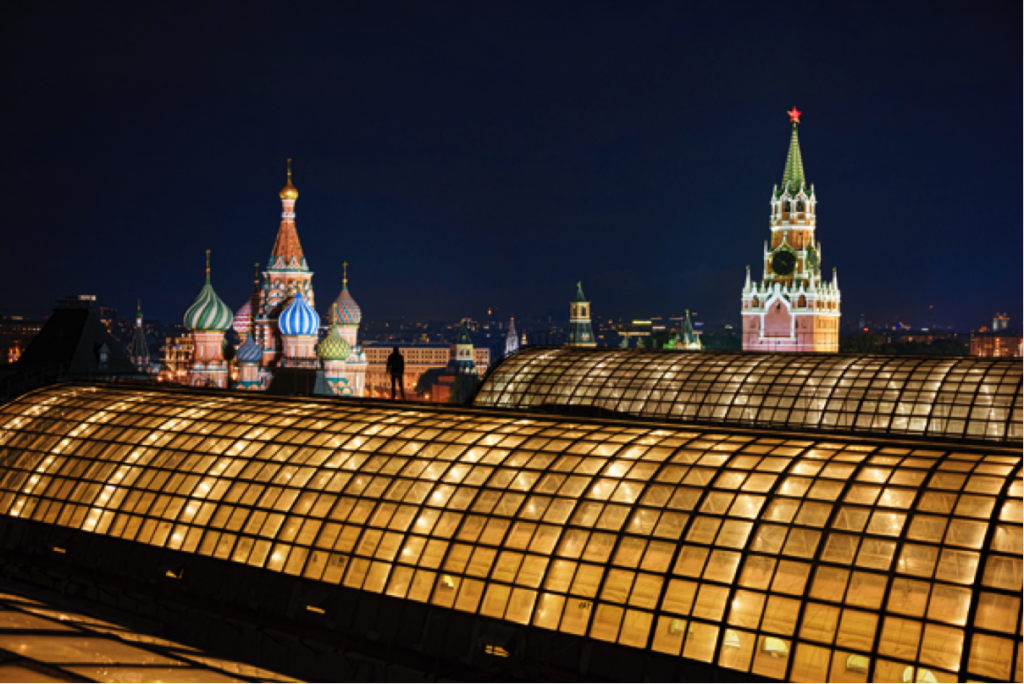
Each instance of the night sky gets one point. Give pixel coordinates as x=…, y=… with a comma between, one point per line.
x=461, y=156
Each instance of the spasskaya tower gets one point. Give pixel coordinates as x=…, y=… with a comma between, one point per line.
x=792, y=309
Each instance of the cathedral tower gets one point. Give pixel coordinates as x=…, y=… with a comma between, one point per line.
x=581, y=332
x=345, y=374
x=286, y=276
x=208, y=319
x=298, y=325
x=792, y=309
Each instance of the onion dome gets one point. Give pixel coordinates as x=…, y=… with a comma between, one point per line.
x=288, y=192
x=334, y=347
x=208, y=312
x=243, y=319
x=249, y=352
x=344, y=310
x=298, y=318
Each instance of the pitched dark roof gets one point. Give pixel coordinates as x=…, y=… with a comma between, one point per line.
x=72, y=340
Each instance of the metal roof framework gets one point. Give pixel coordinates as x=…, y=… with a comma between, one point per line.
x=964, y=398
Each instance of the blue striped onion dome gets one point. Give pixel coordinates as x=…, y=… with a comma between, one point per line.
x=298, y=318
x=344, y=310
x=208, y=313
x=249, y=352
x=334, y=347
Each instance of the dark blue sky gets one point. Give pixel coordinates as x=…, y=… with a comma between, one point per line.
x=466, y=155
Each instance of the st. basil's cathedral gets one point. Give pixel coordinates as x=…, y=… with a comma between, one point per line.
x=278, y=325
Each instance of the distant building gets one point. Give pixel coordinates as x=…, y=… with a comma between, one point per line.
x=75, y=343
x=996, y=345
x=792, y=309
x=511, y=339
x=16, y=333
x=581, y=332
x=1000, y=322
x=686, y=339
x=138, y=350
x=419, y=359
x=177, y=358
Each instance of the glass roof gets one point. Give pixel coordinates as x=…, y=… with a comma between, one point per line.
x=42, y=639
x=958, y=398
x=792, y=557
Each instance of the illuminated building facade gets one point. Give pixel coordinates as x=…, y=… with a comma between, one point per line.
x=792, y=309
x=176, y=359
x=419, y=359
x=997, y=344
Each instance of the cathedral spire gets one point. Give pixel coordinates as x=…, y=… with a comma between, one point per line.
x=793, y=176
x=511, y=339
x=287, y=253
x=579, y=293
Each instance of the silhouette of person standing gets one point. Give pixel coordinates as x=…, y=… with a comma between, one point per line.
x=396, y=369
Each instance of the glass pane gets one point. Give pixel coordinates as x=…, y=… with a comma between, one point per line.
x=819, y=622
x=990, y=656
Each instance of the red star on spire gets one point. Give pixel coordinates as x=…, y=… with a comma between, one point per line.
x=794, y=115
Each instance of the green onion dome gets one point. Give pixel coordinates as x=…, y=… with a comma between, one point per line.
x=334, y=347
x=208, y=313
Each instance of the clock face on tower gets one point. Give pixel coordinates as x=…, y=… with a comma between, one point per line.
x=813, y=261
x=783, y=263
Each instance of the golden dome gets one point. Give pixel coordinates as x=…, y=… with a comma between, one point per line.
x=288, y=192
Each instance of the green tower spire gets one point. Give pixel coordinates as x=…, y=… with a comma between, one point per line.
x=793, y=176
x=579, y=293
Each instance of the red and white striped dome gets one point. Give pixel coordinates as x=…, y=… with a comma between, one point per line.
x=242, y=322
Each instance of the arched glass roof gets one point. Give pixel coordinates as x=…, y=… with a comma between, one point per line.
x=957, y=398
x=791, y=557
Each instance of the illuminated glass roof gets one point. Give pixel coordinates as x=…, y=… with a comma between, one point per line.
x=42, y=639
x=792, y=557
x=957, y=398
